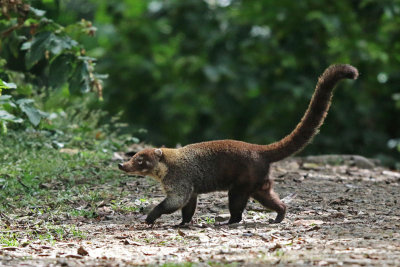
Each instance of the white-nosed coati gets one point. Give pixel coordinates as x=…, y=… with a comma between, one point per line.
x=239, y=167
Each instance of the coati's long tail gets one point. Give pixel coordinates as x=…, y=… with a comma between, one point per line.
x=314, y=115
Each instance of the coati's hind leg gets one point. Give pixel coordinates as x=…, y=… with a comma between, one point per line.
x=237, y=202
x=269, y=199
x=189, y=209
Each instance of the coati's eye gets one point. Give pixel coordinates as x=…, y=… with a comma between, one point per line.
x=140, y=161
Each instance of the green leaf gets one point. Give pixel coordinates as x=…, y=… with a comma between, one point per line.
x=6, y=85
x=45, y=41
x=26, y=45
x=80, y=80
x=5, y=116
x=37, y=49
x=34, y=115
x=60, y=69
x=57, y=44
x=3, y=127
x=5, y=101
x=4, y=97
x=25, y=101
x=85, y=77
x=10, y=85
x=37, y=12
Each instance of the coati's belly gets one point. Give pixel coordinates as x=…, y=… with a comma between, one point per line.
x=213, y=181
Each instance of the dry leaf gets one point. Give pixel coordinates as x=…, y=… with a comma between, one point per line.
x=82, y=251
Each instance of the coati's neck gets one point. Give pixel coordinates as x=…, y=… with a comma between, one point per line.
x=314, y=115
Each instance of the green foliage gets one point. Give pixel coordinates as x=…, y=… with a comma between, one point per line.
x=48, y=52
x=39, y=58
x=191, y=70
x=23, y=105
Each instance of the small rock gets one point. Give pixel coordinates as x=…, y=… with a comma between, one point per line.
x=362, y=162
x=391, y=173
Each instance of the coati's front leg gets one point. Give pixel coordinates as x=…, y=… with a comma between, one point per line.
x=170, y=204
x=237, y=202
x=189, y=209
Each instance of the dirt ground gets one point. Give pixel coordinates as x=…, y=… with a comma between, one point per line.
x=346, y=213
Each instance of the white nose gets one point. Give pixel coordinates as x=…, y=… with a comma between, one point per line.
x=121, y=166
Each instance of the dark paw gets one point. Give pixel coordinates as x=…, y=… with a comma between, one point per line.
x=277, y=220
x=182, y=225
x=236, y=220
x=150, y=220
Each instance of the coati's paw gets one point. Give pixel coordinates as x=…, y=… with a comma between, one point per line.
x=272, y=221
x=150, y=220
x=182, y=225
x=235, y=220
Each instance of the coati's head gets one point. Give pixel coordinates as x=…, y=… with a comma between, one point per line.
x=143, y=163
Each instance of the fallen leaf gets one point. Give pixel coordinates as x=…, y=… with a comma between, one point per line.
x=314, y=228
x=83, y=252
x=181, y=233
x=9, y=248
x=121, y=237
x=277, y=246
x=73, y=256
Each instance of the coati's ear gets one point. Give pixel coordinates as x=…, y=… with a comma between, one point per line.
x=158, y=152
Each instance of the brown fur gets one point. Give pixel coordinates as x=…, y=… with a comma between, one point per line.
x=239, y=167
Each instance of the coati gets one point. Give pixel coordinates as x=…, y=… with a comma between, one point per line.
x=239, y=167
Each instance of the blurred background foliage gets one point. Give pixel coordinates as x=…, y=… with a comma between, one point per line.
x=195, y=70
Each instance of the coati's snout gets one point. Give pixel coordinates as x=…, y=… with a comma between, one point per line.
x=142, y=163
x=121, y=166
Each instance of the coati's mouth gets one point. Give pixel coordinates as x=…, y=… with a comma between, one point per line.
x=136, y=174
x=141, y=173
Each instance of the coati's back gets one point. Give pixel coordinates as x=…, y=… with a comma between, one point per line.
x=216, y=165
